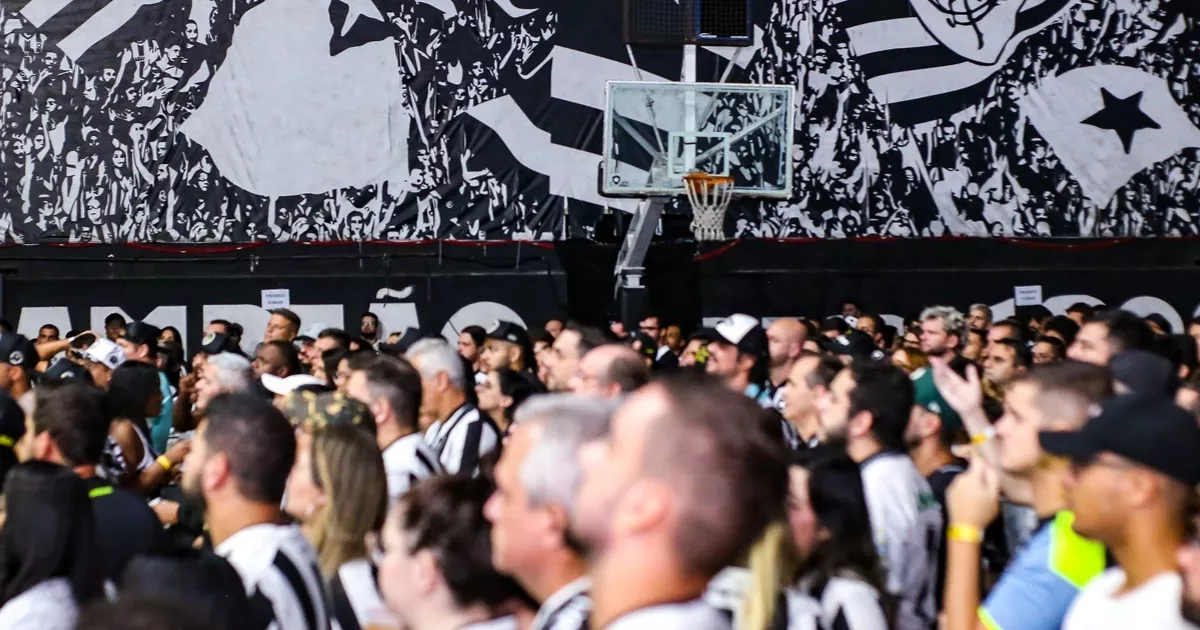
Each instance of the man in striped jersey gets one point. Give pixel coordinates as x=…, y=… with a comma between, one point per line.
x=461, y=434
x=536, y=479
x=239, y=464
x=391, y=389
x=867, y=411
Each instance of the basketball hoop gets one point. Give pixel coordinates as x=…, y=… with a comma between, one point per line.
x=709, y=196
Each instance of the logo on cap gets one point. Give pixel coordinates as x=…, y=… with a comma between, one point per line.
x=17, y=357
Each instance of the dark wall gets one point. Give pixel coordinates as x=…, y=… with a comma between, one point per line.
x=441, y=287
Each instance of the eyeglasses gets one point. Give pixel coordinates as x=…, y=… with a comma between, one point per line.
x=375, y=550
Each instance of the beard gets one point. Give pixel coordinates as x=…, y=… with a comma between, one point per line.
x=1189, y=608
x=837, y=440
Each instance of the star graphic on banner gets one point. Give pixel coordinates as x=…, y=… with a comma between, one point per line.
x=355, y=23
x=357, y=9
x=1122, y=115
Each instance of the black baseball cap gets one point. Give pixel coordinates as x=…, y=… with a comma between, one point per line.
x=1149, y=430
x=142, y=334
x=1144, y=373
x=216, y=343
x=649, y=346
x=64, y=370
x=853, y=343
x=739, y=330
x=508, y=331
x=401, y=345
x=17, y=350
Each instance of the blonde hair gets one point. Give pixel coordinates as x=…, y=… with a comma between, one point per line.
x=348, y=467
x=773, y=563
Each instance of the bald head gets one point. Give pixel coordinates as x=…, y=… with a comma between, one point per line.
x=785, y=341
x=609, y=371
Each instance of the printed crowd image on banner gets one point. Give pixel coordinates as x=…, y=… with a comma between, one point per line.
x=344, y=120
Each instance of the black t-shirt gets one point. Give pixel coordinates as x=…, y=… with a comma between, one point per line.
x=125, y=525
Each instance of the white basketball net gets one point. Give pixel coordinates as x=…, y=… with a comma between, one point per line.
x=709, y=196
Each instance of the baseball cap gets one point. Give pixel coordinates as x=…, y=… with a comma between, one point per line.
x=835, y=323
x=216, y=343
x=508, y=331
x=142, y=334
x=649, y=347
x=17, y=350
x=105, y=352
x=317, y=411
x=283, y=386
x=853, y=343
x=740, y=330
x=927, y=396
x=1144, y=373
x=401, y=345
x=1149, y=430
x=64, y=370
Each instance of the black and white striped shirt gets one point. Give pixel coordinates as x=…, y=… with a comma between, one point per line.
x=463, y=438
x=569, y=608
x=407, y=461
x=279, y=569
x=354, y=598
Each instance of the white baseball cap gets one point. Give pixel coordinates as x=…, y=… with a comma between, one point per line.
x=287, y=385
x=106, y=353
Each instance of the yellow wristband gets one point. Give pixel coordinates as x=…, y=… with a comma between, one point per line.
x=984, y=436
x=164, y=462
x=965, y=533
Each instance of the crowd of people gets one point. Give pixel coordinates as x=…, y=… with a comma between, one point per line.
x=831, y=474
x=985, y=169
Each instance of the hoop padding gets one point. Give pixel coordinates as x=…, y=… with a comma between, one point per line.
x=710, y=196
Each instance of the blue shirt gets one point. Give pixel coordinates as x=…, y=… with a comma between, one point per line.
x=1043, y=579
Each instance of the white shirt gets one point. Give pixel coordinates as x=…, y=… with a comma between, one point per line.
x=462, y=439
x=1154, y=604
x=907, y=524
x=407, y=461
x=50, y=605
x=355, y=600
x=279, y=569
x=693, y=615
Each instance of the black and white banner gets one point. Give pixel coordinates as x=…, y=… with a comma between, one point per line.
x=327, y=120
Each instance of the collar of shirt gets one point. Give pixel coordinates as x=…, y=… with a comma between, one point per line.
x=560, y=598
x=693, y=615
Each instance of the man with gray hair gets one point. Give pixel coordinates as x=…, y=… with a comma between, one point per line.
x=224, y=373
x=979, y=316
x=536, y=482
x=943, y=331
x=458, y=432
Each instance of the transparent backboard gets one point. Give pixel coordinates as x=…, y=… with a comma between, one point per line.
x=655, y=133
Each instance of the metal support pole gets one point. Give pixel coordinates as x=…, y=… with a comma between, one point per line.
x=688, y=75
x=629, y=289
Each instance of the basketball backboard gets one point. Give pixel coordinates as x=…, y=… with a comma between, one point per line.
x=655, y=133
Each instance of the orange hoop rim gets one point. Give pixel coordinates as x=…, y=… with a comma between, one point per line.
x=704, y=181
